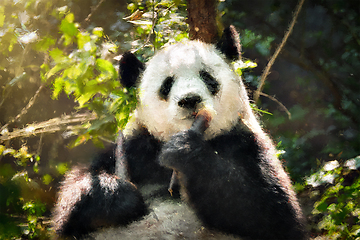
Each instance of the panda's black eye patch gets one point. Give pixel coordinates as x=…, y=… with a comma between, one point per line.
x=210, y=82
x=166, y=88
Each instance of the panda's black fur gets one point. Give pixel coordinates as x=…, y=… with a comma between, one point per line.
x=229, y=177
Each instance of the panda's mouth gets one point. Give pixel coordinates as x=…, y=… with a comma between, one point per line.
x=190, y=116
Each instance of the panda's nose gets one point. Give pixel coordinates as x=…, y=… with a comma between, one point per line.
x=190, y=102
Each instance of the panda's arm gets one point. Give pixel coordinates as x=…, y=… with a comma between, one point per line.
x=225, y=182
x=140, y=151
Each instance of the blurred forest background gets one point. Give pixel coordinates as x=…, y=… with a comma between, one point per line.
x=60, y=100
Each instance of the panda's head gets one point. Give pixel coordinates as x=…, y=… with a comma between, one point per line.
x=184, y=78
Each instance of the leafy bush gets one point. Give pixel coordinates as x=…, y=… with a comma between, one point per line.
x=21, y=214
x=157, y=23
x=339, y=204
x=85, y=74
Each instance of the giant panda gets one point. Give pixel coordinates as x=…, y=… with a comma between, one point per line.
x=193, y=133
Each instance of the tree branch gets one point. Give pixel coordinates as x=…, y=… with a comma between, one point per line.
x=49, y=126
x=278, y=50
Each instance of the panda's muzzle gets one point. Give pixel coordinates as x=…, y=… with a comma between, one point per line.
x=190, y=102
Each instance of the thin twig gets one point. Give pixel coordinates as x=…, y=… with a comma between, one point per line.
x=282, y=106
x=52, y=125
x=93, y=10
x=25, y=109
x=152, y=31
x=278, y=50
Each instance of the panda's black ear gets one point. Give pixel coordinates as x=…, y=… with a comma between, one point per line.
x=129, y=69
x=229, y=43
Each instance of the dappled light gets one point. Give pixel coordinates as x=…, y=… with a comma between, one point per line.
x=61, y=101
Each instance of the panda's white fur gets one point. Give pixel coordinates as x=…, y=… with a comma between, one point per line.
x=168, y=220
x=183, y=61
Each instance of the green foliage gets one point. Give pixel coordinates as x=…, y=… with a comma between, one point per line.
x=157, y=23
x=92, y=80
x=249, y=39
x=339, y=205
x=21, y=213
x=34, y=211
x=299, y=139
x=241, y=66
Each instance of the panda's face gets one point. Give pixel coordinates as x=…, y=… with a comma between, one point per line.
x=182, y=79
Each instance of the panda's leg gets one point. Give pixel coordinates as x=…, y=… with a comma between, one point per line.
x=229, y=189
x=94, y=197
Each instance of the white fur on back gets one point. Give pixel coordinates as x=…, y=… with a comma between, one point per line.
x=168, y=220
x=184, y=61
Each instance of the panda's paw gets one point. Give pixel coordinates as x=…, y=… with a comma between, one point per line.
x=187, y=147
x=182, y=149
x=202, y=121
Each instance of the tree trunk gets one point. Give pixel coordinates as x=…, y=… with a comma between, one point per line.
x=202, y=20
